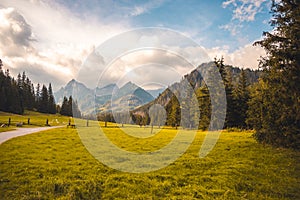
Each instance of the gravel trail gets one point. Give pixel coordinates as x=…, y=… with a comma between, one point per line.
x=4, y=136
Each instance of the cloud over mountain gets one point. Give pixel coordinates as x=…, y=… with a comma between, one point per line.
x=50, y=40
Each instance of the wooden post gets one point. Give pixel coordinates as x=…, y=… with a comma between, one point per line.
x=69, y=122
x=151, y=128
x=87, y=122
x=105, y=124
x=9, y=121
x=28, y=121
x=47, y=122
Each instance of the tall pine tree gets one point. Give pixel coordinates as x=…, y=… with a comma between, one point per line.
x=280, y=111
x=173, y=112
x=204, y=107
x=44, y=100
x=227, y=81
x=51, y=101
x=241, y=98
x=65, y=107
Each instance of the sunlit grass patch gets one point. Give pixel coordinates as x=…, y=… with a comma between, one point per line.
x=35, y=119
x=54, y=164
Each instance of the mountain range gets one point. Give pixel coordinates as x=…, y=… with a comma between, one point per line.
x=106, y=98
x=134, y=98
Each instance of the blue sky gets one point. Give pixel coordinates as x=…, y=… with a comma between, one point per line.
x=50, y=39
x=203, y=20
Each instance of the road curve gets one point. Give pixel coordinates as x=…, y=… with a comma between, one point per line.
x=4, y=136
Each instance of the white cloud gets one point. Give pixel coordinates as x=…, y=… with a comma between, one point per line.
x=18, y=51
x=146, y=7
x=15, y=34
x=138, y=10
x=232, y=28
x=160, y=52
x=244, y=10
x=55, y=24
x=166, y=67
x=46, y=37
x=244, y=57
x=228, y=2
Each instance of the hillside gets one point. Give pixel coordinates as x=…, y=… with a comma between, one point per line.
x=196, y=81
x=104, y=94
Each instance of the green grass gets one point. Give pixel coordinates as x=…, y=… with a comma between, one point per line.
x=55, y=165
x=36, y=120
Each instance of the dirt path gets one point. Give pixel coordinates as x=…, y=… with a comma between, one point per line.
x=4, y=136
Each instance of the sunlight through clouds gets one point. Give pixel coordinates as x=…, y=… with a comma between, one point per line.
x=51, y=39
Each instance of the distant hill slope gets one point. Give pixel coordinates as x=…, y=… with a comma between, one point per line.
x=127, y=97
x=104, y=94
x=196, y=80
x=155, y=93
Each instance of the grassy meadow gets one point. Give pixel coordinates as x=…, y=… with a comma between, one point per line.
x=36, y=120
x=54, y=164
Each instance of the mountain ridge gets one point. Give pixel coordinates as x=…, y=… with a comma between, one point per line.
x=101, y=97
x=196, y=81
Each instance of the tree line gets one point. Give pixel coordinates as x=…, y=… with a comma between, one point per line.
x=237, y=97
x=17, y=95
